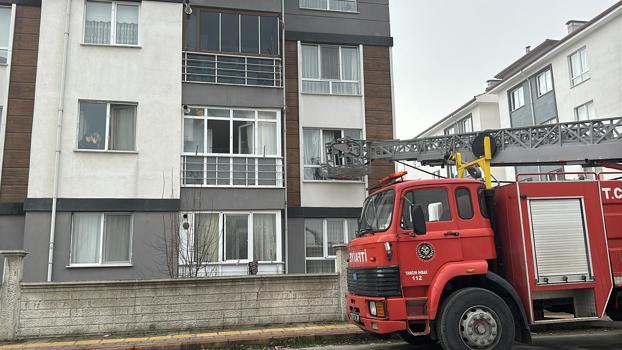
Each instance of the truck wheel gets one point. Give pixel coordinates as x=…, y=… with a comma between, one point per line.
x=415, y=340
x=475, y=318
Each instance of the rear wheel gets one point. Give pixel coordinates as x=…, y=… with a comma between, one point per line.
x=475, y=319
x=415, y=340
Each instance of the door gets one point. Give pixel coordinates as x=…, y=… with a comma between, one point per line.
x=422, y=255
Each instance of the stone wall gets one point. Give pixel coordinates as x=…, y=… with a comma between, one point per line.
x=71, y=308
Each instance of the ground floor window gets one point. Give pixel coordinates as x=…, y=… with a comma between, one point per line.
x=230, y=238
x=101, y=238
x=321, y=236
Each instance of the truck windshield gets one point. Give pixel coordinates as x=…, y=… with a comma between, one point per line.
x=377, y=212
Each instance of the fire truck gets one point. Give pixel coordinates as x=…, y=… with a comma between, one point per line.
x=474, y=265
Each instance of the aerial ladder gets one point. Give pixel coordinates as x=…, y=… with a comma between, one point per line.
x=588, y=143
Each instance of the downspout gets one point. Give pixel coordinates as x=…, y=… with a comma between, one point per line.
x=59, y=130
x=284, y=133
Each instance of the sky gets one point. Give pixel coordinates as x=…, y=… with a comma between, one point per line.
x=445, y=50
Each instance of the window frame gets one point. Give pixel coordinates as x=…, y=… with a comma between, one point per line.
x=325, y=255
x=548, y=78
x=584, y=75
x=113, y=23
x=513, y=106
x=106, y=137
x=102, y=231
x=10, y=26
x=300, y=6
x=458, y=208
x=331, y=81
x=197, y=10
x=250, y=235
x=323, y=156
x=585, y=105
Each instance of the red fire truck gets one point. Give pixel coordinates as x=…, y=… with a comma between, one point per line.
x=472, y=267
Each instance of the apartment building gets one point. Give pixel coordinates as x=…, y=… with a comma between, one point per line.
x=184, y=138
x=19, y=32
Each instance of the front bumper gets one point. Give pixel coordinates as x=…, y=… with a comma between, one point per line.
x=395, y=321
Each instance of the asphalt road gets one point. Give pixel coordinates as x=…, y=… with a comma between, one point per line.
x=558, y=340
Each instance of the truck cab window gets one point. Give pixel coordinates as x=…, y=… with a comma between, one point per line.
x=433, y=201
x=481, y=197
x=464, y=204
x=377, y=212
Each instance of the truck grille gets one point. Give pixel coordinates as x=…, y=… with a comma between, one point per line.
x=374, y=282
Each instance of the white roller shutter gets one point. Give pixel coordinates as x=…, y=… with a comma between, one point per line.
x=559, y=239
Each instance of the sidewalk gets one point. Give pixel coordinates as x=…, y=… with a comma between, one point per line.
x=231, y=336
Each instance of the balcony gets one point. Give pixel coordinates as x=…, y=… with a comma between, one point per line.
x=231, y=171
x=211, y=68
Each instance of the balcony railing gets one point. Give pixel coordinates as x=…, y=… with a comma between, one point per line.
x=201, y=67
x=231, y=171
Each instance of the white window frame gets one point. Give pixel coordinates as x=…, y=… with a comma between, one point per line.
x=332, y=81
x=325, y=253
x=545, y=85
x=328, y=7
x=113, y=23
x=589, y=106
x=322, y=155
x=8, y=34
x=517, y=100
x=577, y=78
x=102, y=231
x=222, y=235
x=107, y=135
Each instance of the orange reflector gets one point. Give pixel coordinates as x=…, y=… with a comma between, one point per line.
x=380, y=311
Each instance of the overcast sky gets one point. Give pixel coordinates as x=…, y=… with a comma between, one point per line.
x=445, y=50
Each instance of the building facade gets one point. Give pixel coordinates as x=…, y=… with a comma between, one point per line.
x=184, y=138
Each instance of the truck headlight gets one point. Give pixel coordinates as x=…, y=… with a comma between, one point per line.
x=372, y=308
x=376, y=308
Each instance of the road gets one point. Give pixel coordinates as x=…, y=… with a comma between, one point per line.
x=562, y=340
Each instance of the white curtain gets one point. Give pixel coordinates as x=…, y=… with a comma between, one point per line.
x=310, y=64
x=264, y=237
x=312, y=147
x=85, y=238
x=117, y=230
x=236, y=237
x=207, y=236
x=127, y=25
x=5, y=23
x=122, y=128
x=97, y=23
x=350, y=63
x=330, y=62
x=334, y=234
x=266, y=134
x=193, y=135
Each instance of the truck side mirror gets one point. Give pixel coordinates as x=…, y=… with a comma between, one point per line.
x=418, y=217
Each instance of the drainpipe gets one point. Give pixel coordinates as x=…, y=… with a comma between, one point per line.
x=59, y=130
x=284, y=133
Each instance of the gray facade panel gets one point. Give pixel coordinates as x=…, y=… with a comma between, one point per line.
x=545, y=106
x=148, y=258
x=521, y=116
x=231, y=96
x=232, y=199
x=262, y=5
x=372, y=19
x=11, y=234
x=296, y=246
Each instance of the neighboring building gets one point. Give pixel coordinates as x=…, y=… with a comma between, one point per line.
x=338, y=83
x=19, y=33
x=191, y=135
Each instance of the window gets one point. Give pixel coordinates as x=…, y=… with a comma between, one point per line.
x=517, y=98
x=377, y=212
x=585, y=111
x=313, y=143
x=450, y=130
x=5, y=29
x=321, y=235
x=481, y=197
x=101, y=238
x=330, y=69
x=464, y=204
x=544, y=82
x=111, y=23
x=329, y=5
x=107, y=126
x=579, y=70
x=213, y=30
x=433, y=201
x=241, y=236
x=232, y=147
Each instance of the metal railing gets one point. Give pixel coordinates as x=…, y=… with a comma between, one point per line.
x=212, y=68
x=231, y=171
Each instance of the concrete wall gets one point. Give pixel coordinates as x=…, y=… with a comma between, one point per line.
x=232, y=96
x=62, y=309
x=148, y=254
x=149, y=75
x=372, y=19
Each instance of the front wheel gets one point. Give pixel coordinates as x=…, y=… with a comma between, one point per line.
x=475, y=319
